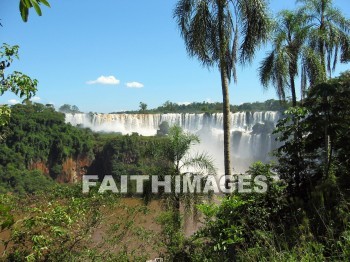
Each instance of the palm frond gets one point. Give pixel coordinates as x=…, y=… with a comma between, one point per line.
x=266, y=69
x=255, y=25
x=201, y=163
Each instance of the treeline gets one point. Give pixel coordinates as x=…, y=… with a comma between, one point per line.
x=207, y=107
x=38, y=134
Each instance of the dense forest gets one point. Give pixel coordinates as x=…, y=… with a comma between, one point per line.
x=38, y=134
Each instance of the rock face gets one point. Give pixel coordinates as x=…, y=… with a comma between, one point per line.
x=40, y=166
x=72, y=169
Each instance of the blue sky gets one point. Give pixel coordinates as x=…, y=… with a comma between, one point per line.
x=137, y=42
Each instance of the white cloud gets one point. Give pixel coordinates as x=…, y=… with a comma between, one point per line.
x=13, y=101
x=104, y=80
x=35, y=99
x=134, y=85
x=183, y=103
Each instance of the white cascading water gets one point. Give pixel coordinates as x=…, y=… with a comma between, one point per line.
x=247, y=145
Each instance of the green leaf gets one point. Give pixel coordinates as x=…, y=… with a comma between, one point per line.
x=24, y=11
x=27, y=3
x=45, y=3
x=36, y=7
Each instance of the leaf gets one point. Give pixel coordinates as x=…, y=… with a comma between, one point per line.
x=45, y=3
x=36, y=7
x=27, y=3
x=24, y=11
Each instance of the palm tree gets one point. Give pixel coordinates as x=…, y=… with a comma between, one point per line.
x=280, y=66
x=221, y=33
x=177, y=161
x=329, y=37
x=329, y=32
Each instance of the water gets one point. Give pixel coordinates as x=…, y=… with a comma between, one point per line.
x=251, y=132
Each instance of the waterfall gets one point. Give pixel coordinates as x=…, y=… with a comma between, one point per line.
x=251, y=132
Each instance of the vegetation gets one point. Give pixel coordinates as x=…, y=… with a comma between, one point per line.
x=178, y=163
x=221, y=33
x=208, y=107
x=303, y=216
x=69, y=109
x=38, y=134
x=119, y=155
x=328, y=34
x=25, y=5
x=281, y=65
x=16, y=82
x=143, y=107
x=307, y=41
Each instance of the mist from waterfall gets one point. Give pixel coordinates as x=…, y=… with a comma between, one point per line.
x=251, y=132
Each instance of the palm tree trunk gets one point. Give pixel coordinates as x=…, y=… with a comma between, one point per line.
x=227, y=120
x=292, y=87
x=321, y=41
x=225, y=91
x=323, y=61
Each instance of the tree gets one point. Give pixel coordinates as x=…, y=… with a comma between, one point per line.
x=329, y=37
x=69, y=109
x=75, y=109
x=280, y=66
x=301, y=161
x=169, y=106
x=163, y=129
x=25, y=5
x=16, y=82
x=329, y=34
x=221, y=33
x=65, y=108
x=177, y=161
x=143, y=107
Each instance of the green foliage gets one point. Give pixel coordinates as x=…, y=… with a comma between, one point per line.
x=22, y=181
x=54, y=226
x=143, y=107
x=314, y=136
x=69, y=109
x=214, y=31
x=16, y=82
x=38, y=134
x=163, y=129
x=171, y=237
x=328, y=35
x=208, y=107
x=5, y=114
x=123, y=155
x=282, y=64
x=6, y=218
x=304, y=216
x=25, y=5
x=238, y=219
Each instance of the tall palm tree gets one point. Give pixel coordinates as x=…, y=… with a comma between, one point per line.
x=280, y=66
x=329, y=32
x=177, y=161
x=222, y=33
x=329, y=37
